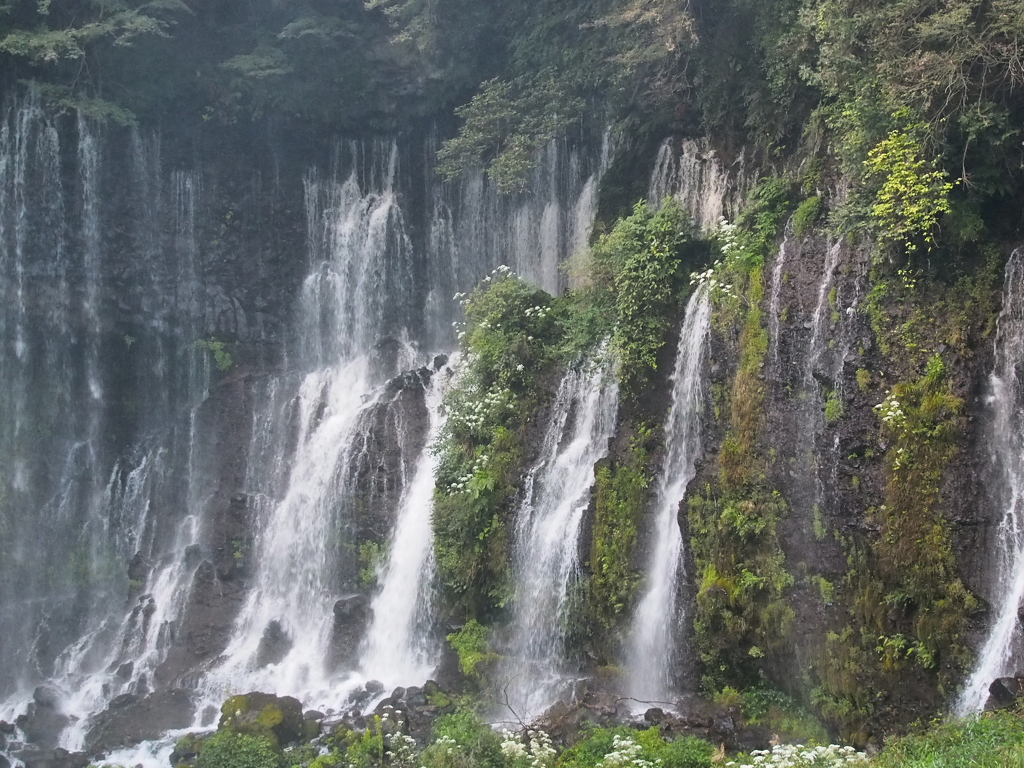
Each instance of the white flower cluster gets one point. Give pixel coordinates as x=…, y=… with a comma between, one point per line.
x=472, y=414
x=728, y=235
x=402, y=750
x=447, y=743
x=799, y=756
x=499, y=272
x=707, y=279
x=537, y=311
x=460, y=483
x=891, y=412
x=626, y=753
x=537, y=752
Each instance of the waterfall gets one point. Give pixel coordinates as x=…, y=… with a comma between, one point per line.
x=359, y=282
x=774, y=302
x=294, y=585
x=398, y=646
x=1006, y=444
x=555, y=497
x=170, y=524
x=532, y=232
x=694, y=175
x=73, y=513
x=651, y=651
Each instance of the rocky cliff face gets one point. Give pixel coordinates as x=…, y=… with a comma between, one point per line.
x=184, y=311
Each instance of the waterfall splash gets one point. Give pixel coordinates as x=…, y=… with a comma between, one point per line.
x=555, y=496
x=649, y=658
x=1007, y=450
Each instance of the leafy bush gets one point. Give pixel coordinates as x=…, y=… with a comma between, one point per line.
x=227, y=749
x=461, y=740
x=805, y=215
x=639, y=263
x=912, y=193
x=470, y=643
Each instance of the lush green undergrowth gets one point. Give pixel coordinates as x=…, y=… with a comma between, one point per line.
x=463, y=740
x=991, y=740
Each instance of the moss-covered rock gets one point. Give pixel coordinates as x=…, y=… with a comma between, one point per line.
x=263, y=714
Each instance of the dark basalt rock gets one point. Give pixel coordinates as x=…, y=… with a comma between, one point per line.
x=130, y=719
x=351, y=614
x=56, y=758
x=42, y=724
x=1004, y=692
x=274, y=645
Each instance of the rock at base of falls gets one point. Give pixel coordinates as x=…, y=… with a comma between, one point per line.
x=131, y=719
x=261, y=712
x=1005, y=692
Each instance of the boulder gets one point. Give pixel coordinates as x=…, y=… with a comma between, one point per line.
x=264, y=714
x=55, y=758
x=274, y=645
x=1005, y=691
x=129, y=719
x=42, y=725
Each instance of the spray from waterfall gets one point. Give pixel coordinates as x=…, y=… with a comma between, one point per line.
x=658, y=617
x=556, y=494
x=1006, y=443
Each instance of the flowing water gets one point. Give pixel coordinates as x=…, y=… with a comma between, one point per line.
x=774, y=305
x=1006, y=444
x=658, y=617
x=556, y=494
x=399, y=645
x=133, y=485
x=693, y=174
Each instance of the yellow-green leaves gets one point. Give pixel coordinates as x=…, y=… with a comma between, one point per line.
x=913, y=193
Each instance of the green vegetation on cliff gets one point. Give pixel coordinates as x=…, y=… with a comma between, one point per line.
x=516, y=342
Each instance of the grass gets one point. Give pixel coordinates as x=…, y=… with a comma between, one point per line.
x=990, y=740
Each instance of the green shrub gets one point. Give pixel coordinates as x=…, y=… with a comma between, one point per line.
x=805, y=215
x=461, y=740
x=833, y=407
x=470, y=643
x=227, y=749
x=620, y=497
x=911, y=195
x=639, y=262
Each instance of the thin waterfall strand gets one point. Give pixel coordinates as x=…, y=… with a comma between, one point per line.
x=658, y=616
x=397, y=647
x=1007, y=446
x=547, y=534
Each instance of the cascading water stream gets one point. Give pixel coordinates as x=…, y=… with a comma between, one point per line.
x=398, y=647
x=358, y=251
x=1006, y=441
x=774, y=304
x=136, y=501
x=555, y=496
x=694, y=175
x=652, y=647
